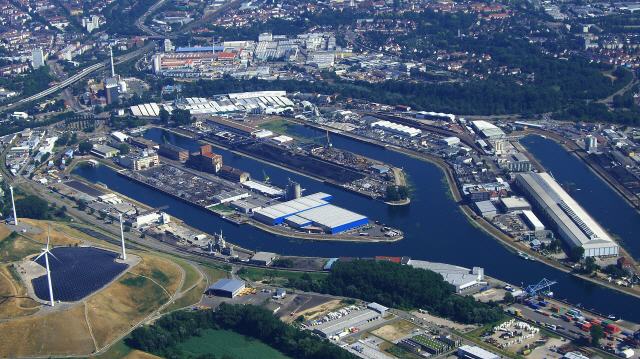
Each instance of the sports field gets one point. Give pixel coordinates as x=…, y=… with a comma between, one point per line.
x=225, y=342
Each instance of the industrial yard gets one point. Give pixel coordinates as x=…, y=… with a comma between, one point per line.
x=251, y=136
x=253, y=202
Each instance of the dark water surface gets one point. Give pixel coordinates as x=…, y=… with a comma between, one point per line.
x=434, y=226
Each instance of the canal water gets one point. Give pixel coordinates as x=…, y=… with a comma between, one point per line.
x=434, y=226
x=600, y=200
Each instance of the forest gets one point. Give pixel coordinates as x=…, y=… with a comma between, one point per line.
x=399, y=286
x=165, y=334
x=488, y=97
x=121, y=16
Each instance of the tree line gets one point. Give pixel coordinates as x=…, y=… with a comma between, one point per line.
x=399, y=286
x=492, y=96
x=162, y=338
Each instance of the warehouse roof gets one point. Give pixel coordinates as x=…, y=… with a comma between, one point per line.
x=104, y=149
x=331, y=216
x=298, y=221
x=488, y=129
x=460, y=277
x=514, y=203
x=477, y=352
x=262, y=188
x=564, y=210
x=485, y=206
x=397, y=127
x=535, y=222
x=292, y=207
x=352, y=319
x=227, y=285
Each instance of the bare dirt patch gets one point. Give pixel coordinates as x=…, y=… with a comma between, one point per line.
x=122, y=305
x=395, y=331
x=314, y=312
x=137, y=354
x=13, y=299
x=54, y=334
x=162, y=271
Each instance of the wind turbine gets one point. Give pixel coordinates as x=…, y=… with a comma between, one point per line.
x=46, y=252
x=124, y=252
x=13, y=204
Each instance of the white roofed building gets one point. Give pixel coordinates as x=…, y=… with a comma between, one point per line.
x=574, y=225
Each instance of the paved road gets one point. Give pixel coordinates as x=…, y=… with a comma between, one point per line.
x=609, y=99
x=140, y=22
x=79, y=76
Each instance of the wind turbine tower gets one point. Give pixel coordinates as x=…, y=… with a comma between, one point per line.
x=124, y=251
x=13, y=203
x=46, y=252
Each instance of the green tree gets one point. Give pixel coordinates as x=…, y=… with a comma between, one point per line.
x=597, y=333
x=164, y=116
x=399, y=286
x=124, y=148
x=181, y=117
x=590, y=265
x=85, y=147
x=32, y=207
x=576, y=254
x=508, y=298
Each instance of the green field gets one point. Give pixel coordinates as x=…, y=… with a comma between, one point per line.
x=225, y=342
x=257, y=274
x=278, y=126
x=15, y=247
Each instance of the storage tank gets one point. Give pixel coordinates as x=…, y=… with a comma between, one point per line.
x=293, y=190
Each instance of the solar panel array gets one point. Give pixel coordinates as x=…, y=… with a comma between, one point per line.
x=79, y=272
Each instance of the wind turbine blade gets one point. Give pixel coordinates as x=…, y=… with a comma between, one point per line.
x=51, y=254
x=41, y=254
x=48, y=235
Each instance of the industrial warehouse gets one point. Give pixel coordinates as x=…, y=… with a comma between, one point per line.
x=396, y=128
x=347, y=320
x=459, y=277
x=248, y=102
x=570, y=220
x=311, y=210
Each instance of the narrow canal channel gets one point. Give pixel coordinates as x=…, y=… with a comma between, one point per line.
x=594, y=194
x=435, y=228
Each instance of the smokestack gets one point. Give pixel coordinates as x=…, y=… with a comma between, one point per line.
x=13, y=203
x=113, y=70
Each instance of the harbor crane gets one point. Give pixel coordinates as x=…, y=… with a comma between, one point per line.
x=542, y=287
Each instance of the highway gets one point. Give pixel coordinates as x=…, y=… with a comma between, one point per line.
x=140, y=23
x=80, y=75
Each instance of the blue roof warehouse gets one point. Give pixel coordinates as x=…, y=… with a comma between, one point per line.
x=311, y=210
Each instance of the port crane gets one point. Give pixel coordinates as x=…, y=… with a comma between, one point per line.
x=542, y=287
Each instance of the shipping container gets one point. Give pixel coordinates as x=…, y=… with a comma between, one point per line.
x=612, y=328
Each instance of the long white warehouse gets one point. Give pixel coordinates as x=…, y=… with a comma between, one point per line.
x=396, y=128
x=570, y=220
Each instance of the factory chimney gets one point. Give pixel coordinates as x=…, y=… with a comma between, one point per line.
x=113, y=69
